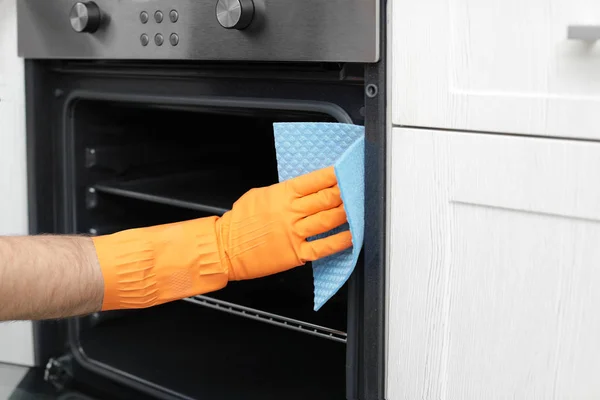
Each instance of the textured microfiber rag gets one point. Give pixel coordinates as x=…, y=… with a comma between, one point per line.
x=305, y=147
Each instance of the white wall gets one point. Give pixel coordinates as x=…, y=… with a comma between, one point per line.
x=16, y=339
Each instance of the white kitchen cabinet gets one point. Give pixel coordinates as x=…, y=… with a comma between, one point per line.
x=496, y=65
x=16, y=338
x=494, y=281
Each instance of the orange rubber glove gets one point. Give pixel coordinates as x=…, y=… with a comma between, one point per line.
x=264, y=233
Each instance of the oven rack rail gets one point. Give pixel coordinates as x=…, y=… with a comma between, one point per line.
x=151, y=191
x=269, y=318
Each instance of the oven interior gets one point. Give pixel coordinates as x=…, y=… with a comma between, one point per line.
x=135, y=164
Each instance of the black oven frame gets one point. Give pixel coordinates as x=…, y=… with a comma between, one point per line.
x=45, y=98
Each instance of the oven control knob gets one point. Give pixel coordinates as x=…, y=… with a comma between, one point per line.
x=235, y=14
x=85, y=17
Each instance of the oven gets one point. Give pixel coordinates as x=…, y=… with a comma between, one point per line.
x=154, y=111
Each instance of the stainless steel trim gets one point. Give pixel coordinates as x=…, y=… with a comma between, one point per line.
x=584, y=32
x=281, y=30
x=269, y=318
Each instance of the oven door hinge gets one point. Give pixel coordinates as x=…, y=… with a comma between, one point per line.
x=59, y=371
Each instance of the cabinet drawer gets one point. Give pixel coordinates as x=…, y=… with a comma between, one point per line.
x=494, y=255
x=496, y=65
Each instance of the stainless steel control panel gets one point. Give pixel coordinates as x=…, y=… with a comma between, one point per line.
x=221, y=30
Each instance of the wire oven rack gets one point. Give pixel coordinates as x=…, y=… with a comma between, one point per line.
x=270, y=318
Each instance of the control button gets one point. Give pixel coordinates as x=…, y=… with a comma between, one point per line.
x=144, y=39
x=235, y=14
x=144, y=17
x=173, y=16
x=174, y=39
x=158, y=16
x=85, y=17
x=159, y=39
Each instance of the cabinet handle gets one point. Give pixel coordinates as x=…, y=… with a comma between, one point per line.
x=589, y=33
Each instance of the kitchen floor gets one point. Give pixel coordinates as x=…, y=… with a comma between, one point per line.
x=22, y=383
x=10, y=377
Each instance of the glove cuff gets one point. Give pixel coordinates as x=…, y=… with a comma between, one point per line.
x=222, y=228
x=145, y=267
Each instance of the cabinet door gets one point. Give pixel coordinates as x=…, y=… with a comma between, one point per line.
x=496, y=65
x=494, y=267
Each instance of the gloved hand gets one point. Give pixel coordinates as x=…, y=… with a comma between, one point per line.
x=266, y=230
x=264, y=233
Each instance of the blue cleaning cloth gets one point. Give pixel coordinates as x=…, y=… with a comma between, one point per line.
x=305, y=147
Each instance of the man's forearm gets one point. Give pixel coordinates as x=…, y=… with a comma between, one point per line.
x=44, y=277
x=265, y=232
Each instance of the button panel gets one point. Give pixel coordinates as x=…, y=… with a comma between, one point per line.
x=159, y=38
x=280, y=30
